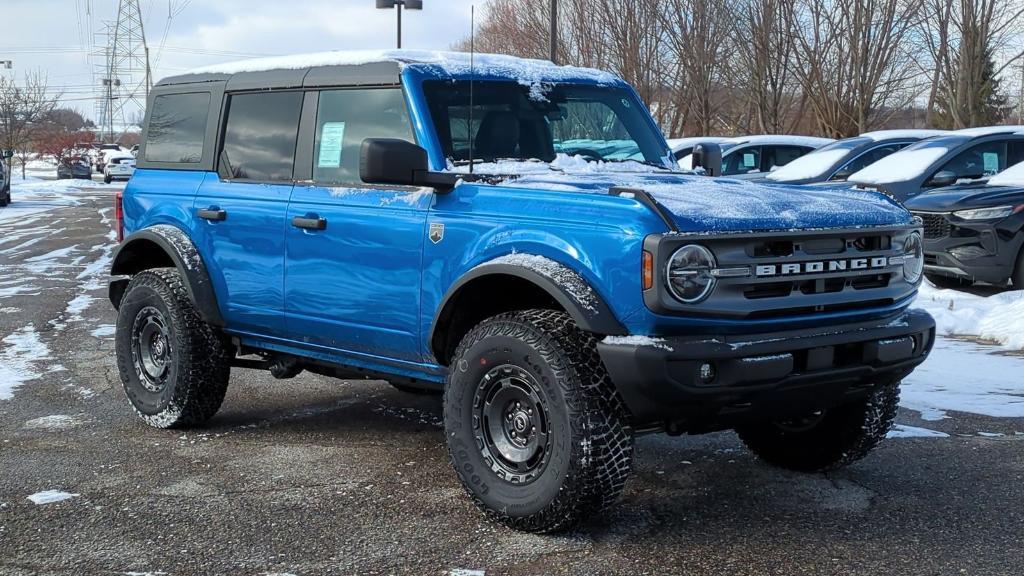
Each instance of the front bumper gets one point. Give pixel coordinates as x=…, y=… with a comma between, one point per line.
x=973, y=250
x=764, y=376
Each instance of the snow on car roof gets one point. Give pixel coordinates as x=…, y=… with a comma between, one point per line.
x=813, y=165
x=795, y=140
x=896, y=134
x=678, y=144
x=987, y=130
x=454, y=63
x=1012, y=176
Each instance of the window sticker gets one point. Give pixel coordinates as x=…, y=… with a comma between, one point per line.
x=748, y=160
x=332, y=136
x=991, y=162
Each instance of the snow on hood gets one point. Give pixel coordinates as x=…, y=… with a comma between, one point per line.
x=1012, y=176
x=813, y=165
x=701, y=204
x=901, y=166
x=452, y=63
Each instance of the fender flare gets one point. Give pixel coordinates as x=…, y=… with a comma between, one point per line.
x=568, y=288
x=136, y=254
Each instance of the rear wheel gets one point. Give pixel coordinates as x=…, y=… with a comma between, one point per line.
x=5, y=198
x=174, y=367
x=107, y=179
x=829, y=439
x=536, y=431
x=948, y=282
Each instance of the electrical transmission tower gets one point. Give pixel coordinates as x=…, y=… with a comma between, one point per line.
x=125, y=77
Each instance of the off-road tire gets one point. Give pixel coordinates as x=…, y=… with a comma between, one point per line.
x=591, y=450
x=948, y=282
x=839, y=437
x=198, y=357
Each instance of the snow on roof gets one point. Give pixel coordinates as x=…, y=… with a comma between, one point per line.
x=1012, y=176
x=454, y=63
x=781, y=139
x=987, y=130
x=896, y=134
x=795, y=140
x=678, y=144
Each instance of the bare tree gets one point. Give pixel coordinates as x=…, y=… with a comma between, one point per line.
x=22, y=110
x=854, y=61
x=963, y=38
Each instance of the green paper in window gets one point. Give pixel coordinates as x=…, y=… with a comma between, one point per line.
x=332, y=137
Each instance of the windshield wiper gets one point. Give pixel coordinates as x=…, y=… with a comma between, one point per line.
x=644, y=162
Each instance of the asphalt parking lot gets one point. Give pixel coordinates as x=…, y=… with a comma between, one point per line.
x=313, y=476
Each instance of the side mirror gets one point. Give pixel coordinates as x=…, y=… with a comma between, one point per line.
x=709, y=157
x=943, y=178
x=400, y=163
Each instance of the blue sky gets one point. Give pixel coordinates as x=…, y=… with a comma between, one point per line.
x=53, y=35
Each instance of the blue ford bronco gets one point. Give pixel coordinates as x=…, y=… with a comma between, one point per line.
x=511, y=234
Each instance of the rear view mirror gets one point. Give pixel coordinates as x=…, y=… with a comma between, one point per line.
x=399, y=163
x=943, y=178
x=708, y=156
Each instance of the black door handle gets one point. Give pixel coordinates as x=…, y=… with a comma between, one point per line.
x=212, y=214
x=310, y=222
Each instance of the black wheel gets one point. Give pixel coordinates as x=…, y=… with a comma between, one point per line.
x=948, y=282
x=536, y=431
x=5, y=199
x=829, y=439
x=414, y=390
x=174, y=367
x=107, y=179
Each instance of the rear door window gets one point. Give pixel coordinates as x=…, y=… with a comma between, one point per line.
x=260, y=136
x=177, y=128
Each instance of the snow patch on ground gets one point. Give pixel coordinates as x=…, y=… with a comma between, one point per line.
x=965, y=377
x=51, y=496
x=903, y=431
x=466, y=572
x=55, y=422
x=104, y=331
x=17, y=357
x=999, y=318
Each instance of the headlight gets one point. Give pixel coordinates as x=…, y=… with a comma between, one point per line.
x=689, y=273
x=913, y=258
x=985, y=213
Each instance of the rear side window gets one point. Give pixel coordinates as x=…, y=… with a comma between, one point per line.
x=177, y=128
x=347, y=117
x=260, y=136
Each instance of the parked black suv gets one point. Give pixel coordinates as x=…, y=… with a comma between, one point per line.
x=975, y=231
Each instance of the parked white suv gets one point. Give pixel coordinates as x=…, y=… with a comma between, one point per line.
x=118, y=166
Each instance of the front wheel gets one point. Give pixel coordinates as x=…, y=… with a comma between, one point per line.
x=536, y=431
x=829, y=439
x=174, y=366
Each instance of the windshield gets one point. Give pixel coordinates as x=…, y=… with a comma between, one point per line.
x=909, y=163
x=817, y=164
x=510, y=121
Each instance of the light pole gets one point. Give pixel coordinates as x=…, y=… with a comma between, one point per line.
x=399, y=4
x=553, y=12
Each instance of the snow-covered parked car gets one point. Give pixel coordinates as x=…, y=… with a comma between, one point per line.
x=75, y=167
x=975, y=232
x=5, y=185
x=749, y=157
x=839, y=160
x=119, y=166
x=960, y=156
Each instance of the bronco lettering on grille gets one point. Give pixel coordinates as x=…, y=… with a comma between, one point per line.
x=820, y=267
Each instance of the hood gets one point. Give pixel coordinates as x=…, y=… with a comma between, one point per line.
x=966, y=197
x=702, y=204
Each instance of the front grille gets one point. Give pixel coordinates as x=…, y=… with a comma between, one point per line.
x=795, y=272
x=935, y=225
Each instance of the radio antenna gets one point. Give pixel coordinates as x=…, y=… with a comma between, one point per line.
x=472, y=77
